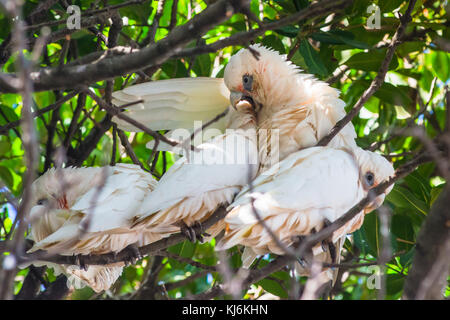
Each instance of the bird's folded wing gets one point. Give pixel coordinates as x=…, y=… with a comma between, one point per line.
x=321, y=180
x=115, y=204
x=173, y=103
x=223, y=162
x=283, y=167
x=322, y=118
x=61, y=240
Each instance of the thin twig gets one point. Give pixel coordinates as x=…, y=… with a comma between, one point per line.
x=377, y=82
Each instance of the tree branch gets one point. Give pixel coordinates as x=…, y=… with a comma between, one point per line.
x=427, y=277
x=379, y=79
x=67, y=77
x=123, y=255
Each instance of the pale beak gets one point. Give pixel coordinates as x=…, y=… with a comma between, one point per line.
x=235, y=97
x=36, y=212
x=242, y=102
x=375, y=204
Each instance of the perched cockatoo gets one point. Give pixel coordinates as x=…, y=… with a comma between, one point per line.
x=296, y=107
x=293, y=110
x=89, y=211
x=197, y=184
x=307, y=190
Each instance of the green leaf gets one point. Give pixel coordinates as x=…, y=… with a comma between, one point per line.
x=8, y=224
x=441, y=65
x=360, y=240
x=5, y=146
x=7, y=115
x=404, y=198
x=139, y=13
x=372, y=233
x=394, y=284
x=389, y=6
x=273, y=287
x=409, y=73
x=312, y=59
x=370, y=61
x=396, y=95
x=82, y=294
x=402, y=229
x=406, y=259
x=288, y=31
x=339, y=37
x=185, y=249
x=202, y=65
x=419, y=185
x=6, y=177
x=434, y=194
x=274, y=42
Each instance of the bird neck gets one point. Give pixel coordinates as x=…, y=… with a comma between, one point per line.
x=285, y=94
x=242, y=119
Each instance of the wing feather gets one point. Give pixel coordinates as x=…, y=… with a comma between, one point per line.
x=292, y=198
x=192, y=177
x=173, y=103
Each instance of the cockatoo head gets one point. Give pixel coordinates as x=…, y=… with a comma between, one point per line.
x=261, y=75
x=374, y=169
x=47, y=195
x=57, y=189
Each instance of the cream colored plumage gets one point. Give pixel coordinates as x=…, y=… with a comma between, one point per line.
x=295, y=198
x=292, y=106
x=293, y=110
x=196, y=185
x=173, y=103
x=103, y=201
x=302, y=108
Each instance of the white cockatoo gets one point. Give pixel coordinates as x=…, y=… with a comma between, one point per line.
x=197, y=184
x=89, y=211
x=306, y=191
x=295, y=107
x=294, y=110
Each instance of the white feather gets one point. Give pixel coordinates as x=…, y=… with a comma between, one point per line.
x=103, y=200
x=196, y=184
x=304, y=190
x=174, y=103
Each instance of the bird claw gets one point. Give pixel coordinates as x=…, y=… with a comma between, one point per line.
x=133, y=254
x=194, y=232
x=332, y=248
x=79, y=261
x=302, y=262
x=327, y=245
x=324, y=245
x=296, y=240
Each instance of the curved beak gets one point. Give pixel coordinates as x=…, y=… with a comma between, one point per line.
x=241, y=101
x=375, y=204
x=36, y=212
x=235, y=97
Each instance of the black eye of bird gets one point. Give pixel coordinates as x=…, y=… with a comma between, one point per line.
x=247, y=81
x=41, y=202
x=370, y=178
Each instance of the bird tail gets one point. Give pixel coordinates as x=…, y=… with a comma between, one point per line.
x=248, y=256
x=99, y=278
